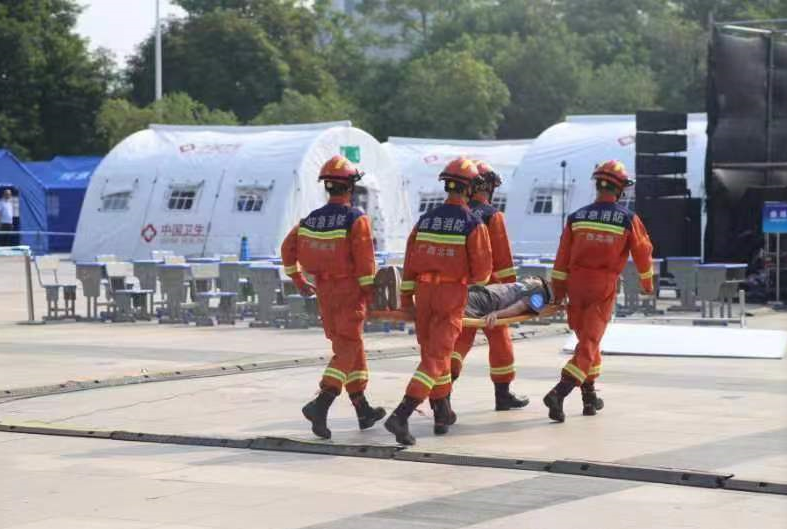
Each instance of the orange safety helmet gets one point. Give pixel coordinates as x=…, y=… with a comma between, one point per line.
x=340, y=170
x=461, y=170
x=488, y=174
x=614, y=172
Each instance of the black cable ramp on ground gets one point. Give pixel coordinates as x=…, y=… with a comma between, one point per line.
x=13, y=394
x=658, y=475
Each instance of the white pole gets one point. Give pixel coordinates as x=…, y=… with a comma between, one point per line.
x=158, y=51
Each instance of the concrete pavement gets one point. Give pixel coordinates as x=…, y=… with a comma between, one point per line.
x=715, y=415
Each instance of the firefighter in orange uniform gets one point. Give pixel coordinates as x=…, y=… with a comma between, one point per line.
x=594, y=249
x=448, y=248
x=501, y=349
x=334, y=244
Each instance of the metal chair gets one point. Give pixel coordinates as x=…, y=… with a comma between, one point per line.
x=204, y=281
x=174, y=279
x=91, y=275
x=268, y=287
x=128, y=302
x=49, y=265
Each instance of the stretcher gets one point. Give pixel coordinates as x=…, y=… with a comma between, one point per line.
x=478, y=323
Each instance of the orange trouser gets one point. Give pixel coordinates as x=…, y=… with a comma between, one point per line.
x=438, y=322
x=591, y=299
x=501, y=352
x=343, y=309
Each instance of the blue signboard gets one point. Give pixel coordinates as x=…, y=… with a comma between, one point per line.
x=774, y=217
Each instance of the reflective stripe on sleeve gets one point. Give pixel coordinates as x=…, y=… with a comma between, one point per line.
x=506, y=272
x=646, y=275
x=407, y=286
x=365, y=281
x=561, y=276
x=457, y=356
x=294, y=269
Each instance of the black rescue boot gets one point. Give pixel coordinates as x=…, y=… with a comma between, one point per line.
x=554, y=399
x=367, y=416
x=397, y=421
x=316, y=412
x=591, y=402
x=505, y=400
x=442, y=415
x=451, y=414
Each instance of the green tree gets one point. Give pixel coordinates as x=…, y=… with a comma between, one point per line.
x=119, y=118
x=448, y=94
x=295, y=107
x=616, y=89
x=51, y=87
x=412, y=18
x=543, y=73
x=700, y=11
x=221, y=59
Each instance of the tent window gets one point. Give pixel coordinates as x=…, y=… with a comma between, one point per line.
x=52, y=205
x=182, y=199
x=115, y=201
x=547, y=200
x=430, y=201
x=250, y=199
x=499, y=201
x=628, y=200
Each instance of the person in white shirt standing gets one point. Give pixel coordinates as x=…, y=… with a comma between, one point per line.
x=6, y=218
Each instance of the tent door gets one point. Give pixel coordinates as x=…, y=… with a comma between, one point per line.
x=368, y=200
x=12, y=240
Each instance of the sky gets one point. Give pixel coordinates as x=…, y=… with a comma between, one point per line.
x=120, y=24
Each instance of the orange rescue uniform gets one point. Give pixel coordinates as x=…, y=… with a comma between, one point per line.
x=594, y=249
x=501, y=348
x=448, y=248
x=335, y=245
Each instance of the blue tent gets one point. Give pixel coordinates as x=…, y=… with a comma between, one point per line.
x=64, y=180
x=50, y=196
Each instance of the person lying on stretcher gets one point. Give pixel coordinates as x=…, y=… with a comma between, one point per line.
x=506, y=300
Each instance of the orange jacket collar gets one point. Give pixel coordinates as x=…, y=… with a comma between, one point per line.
x=343, y=200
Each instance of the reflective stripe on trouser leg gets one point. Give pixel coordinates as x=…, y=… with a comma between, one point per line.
x=501, y=354
x=448, y=306
x=594, y=372
x=592, y=302
x=462, y=347
x=343, y=310
x=438, y=322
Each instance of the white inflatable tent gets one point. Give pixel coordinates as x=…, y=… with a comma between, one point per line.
x=198, y=190
x=420, y=161
x=535, y=203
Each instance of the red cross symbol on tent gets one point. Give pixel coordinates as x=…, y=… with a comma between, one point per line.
x=149, y=233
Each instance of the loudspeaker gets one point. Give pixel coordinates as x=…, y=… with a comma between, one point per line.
x=651, y=164
x=674, y=225
x=655, y=143
x=657, y=121
x=735, y=200
x=660, y=186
